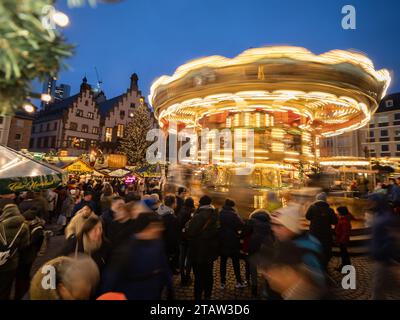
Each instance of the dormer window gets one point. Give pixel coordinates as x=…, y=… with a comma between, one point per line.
x=389, y=103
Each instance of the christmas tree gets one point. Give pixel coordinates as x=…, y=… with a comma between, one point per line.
x=29, y=49
x=134, y=144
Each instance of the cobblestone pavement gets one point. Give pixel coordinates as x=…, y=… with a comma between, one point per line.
x=363, y=266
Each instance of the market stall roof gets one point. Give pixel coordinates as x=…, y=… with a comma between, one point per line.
x=119, y=173
x=19, y=172
x=81, y=167
x=151, y=170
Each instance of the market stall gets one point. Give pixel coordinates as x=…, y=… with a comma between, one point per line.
x=19, y=172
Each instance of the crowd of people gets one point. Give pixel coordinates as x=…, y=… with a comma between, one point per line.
x=128, y=243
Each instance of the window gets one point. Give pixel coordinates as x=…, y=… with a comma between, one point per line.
x=389, y=103
x=93, y=143
x=397, y=116
x=18, y=137
x=69, y=141
x=384, y=133
x=79, y=113
x=73, y=126
x=133, y=105
x=86, y=102
x=48, y=126
x=385, y=148
x=55, y=126
x=53, y=142
x=85, y=128
x=39, y=142
x=108, y=134
x=122, y=114
x=41, y=127
x=20, y=123
x=82, y=143
x=120, y=131
x=371, y=134
x=383, y=119
x=1, y=120
x=398, y=147
x=46, y=142
x=31, y=143
x=33, y=129
x=95, y=130
x=90, y=115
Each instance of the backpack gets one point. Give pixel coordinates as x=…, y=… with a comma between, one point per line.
x=7, y=249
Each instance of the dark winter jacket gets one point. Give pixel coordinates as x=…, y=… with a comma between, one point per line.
x=321, y=217
x=36, y=232
x=14, y=237
x=119, y=232
x=82, y=203
x=202, y=233
x=179, y=204
x=171, y=232
x=184, y=215
x=259, y=227
x=230, y=225
x=140, y=270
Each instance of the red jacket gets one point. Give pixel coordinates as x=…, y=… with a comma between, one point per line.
x=343, y=229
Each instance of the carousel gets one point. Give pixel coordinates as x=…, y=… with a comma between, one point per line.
x=288, y=97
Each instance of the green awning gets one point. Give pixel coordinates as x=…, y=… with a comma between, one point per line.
x=21, y=173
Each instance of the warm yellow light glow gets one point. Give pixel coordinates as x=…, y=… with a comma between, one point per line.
x=28, y=107
x=60, y=18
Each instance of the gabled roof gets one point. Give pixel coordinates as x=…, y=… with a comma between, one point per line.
x=396, y=103
x=107, y=105
x=55, y=110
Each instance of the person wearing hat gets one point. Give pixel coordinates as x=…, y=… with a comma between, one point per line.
x=184, y=215
x=86, y=200
x=322, y=217
x=202, y=233
x=231, y=224
x=286, y=226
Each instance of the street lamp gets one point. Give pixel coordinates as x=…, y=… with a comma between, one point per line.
x=28, y=107
x=45, y=97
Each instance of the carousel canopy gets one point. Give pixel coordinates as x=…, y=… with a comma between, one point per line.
x=21, y=173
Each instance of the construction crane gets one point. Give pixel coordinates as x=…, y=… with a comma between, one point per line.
x=99, y=82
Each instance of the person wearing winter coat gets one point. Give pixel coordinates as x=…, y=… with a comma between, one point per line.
x=171, y=231
x=180, y=199
x=90, y=241
x=14, y=237
x=140, y=269
x=29, y=253
x=184, y=215
x=260, y=234
x=75, y=225
x=202, y=233
x=231, y=224
x=322, y=217
x=343, y=230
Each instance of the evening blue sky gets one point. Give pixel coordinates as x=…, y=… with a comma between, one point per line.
x=154, y=37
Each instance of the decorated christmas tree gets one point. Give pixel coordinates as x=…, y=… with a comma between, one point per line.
x=134, y=144
x=29, y=49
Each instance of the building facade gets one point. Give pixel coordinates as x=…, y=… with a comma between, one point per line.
x=72, y=124
x=345, y=145
x=381, y=137
x=15, y=131
x=86, y=120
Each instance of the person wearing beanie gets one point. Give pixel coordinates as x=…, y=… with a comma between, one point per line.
x=322, y=217
x=231, y=224
x=184, y=215
x=202, y=233
x=343, y=229
x=286, y=226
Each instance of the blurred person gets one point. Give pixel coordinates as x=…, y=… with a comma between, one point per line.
x=28, y=202
x=76, y=279
x=393, y=193
x=180, y=198
x=75, y=225
x=282, y=265
x=231, y=224
x=133, y=197
x=156, y=200
x=171, y=231
x=42, y=205
x=140, y=268
x=51, y=198
x=184, y=215
x=202, y=233
x=14, y=238
x=6, y=199
x=258, y=226
x=66, y=211
x=286, y=226
x=29, y=253
x=385, y=247
x=90, y=241
x=107, y=194
x=343, y=230
x=322, y=217
x=86, y=200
